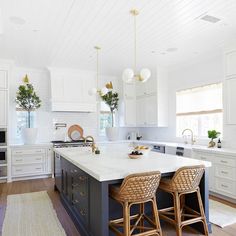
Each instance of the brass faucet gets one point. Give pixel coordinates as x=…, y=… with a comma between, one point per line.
x=192, y=137
x=93, y=142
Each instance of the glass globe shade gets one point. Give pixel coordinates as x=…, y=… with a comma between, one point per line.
x=145, y=74
x=104, y=91
x=128, y=75
x=92, y=91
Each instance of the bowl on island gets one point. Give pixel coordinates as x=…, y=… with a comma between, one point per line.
x=135, y=154
x=143, y=149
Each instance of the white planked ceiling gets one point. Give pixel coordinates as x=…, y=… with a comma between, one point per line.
x=64, y=32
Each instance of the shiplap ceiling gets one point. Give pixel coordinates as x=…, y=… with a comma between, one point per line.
x=64, y=32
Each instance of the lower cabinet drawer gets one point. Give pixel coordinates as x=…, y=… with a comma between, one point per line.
x=225, y=187
x=21, y=170
x=3, y=171
x=226, y=161
x=28, y=151
x=225, y=172
x=17, y=159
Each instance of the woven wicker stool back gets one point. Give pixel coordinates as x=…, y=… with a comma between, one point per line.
x=187, y=178
x=139, y=187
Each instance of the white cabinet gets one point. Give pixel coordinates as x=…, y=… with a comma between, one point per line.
x=3, y=79
x=130, y=112
x=69, y=90
x=230, y=86
x=31, y=162
x=3, y=108
x=147, y=111
x=222, y=177
x=151, y=100
x=230, y=62
x=129, y=104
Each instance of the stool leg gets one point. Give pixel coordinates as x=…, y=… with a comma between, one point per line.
x=141, y=208
x=177, y=214
x=202, y=212
x=126, y=216
x=156, y=216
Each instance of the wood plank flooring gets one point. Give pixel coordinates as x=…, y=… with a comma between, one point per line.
x=48, y=185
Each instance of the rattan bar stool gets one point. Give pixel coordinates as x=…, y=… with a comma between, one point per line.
x=185, y=181
x=137, y=189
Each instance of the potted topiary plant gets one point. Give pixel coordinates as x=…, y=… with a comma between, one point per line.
x=111, y=99
x=212, y=134
x=27, y=100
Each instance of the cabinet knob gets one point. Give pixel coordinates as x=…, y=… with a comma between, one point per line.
x=222, y=161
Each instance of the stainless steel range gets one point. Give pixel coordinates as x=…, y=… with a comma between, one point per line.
x=64, y=144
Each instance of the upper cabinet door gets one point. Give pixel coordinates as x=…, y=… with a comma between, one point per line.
x=130, y=112
x=3, y=108
x=129, y=90
x=140, y=89
x=3, y=79
x=151, y=85
x=230, y=63
x=231, y=101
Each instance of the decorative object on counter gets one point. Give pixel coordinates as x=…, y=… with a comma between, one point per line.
x=219, y=144
x=131, y=75
x=139, y=137
x=97, y=151
x=105, y=89
x=111, y=99
x=212, y=134
x=132, y=135
x=27, y=100
x=75, y=132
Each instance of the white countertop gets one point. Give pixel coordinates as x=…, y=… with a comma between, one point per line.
x=113, y=163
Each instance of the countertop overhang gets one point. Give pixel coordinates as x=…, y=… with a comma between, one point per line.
x=113, y=163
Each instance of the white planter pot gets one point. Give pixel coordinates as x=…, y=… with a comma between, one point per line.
x=29, y=135
x=112, y=133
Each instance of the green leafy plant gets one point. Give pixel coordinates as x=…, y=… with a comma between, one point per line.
x=213, y=134
x=111, y=99
x=26, y=98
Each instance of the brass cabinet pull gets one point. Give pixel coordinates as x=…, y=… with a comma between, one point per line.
x=82, y=178
x=75, y=201
x=82, y=193
x=75, y=185
x=18, y=169
x=38, y=168
x=224, y=172
x=38, y=159
x=19, y=159
x=82, y=212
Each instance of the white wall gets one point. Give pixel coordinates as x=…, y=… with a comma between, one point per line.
x=204, y=70
x=44, y=117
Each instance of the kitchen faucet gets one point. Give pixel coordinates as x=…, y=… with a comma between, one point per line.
x=93, y=142
x=192, y=137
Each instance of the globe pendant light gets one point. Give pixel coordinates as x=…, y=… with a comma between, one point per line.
x=130, y=75
x=94, y=91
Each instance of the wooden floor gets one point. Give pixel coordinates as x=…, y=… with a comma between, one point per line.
x=48, y=185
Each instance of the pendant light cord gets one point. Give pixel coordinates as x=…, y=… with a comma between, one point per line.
x=135, y=44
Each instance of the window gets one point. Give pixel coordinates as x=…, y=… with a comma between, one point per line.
x=199, y=109
x=105, y=119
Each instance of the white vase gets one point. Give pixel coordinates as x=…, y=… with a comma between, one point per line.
x=112, y=133
x=29, y=135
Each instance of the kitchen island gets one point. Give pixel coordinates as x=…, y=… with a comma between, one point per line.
x=83, y=180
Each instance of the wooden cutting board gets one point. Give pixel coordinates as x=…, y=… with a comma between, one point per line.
x=75, y=132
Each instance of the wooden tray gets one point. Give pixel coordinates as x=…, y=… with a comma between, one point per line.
x=75, y=132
